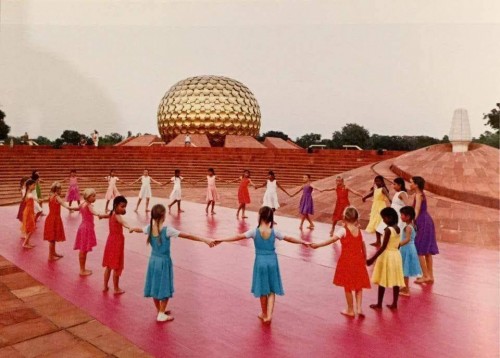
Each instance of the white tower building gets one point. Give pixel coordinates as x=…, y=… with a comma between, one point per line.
x=460, y=136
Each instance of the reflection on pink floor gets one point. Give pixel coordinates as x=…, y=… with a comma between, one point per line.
x=216, y=315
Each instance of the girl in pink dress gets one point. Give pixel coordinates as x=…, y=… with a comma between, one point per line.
x=85, y=236
x=114, y=252
x=212, y=194
x=112, y=191
x=73, y=193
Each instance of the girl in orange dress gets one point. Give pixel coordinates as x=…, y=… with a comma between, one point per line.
x=54, y=230
x=351, y=270
x=114, y=253
x=342, y=202
x=243, y=194
x=28, y=222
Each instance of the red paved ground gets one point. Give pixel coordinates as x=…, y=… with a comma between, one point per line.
x=216, y=314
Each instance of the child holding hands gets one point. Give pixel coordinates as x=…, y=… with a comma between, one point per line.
x=351, y=270
x=266, y=282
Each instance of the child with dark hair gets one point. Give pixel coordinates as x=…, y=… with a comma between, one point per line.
x=266, y=283
x=425, y=239
x=28, y=214
x=114, y=252
x=112, y=191
x=306, y=205
x=398, y=201
x=411, y=265
x=380, y=195
x=160, y=276
x=271, y=195
x=176, y=194
x=388, y=271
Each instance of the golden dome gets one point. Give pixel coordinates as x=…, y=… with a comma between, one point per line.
x=211, y=105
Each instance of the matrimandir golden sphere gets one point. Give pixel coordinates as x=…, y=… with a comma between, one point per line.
x=211, y=105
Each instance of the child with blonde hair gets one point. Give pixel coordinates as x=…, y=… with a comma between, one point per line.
x=351, y=270
x=85, y=236
x=54, y=230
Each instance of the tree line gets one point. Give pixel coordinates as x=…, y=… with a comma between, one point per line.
x=351, y=133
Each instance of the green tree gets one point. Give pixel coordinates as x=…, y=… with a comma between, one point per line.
x=493, y=118
x=111, y=139
x=276, y=134
x=71, y=137
x=307, y=139
x=43, y=141
x=351, y=134
x=489, y=138
x=4, y=128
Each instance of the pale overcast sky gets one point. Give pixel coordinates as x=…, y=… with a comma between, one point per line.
x=395, y=67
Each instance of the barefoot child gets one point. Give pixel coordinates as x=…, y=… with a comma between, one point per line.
x=266, y=283
x=176, y=194
x=342, y=202
x=112, y=191
x=212, y=194
x=28, y=221
x=306, y=205
x=411, y=266
x=243, y=194
x=271, y=195
x=160, y=277
x=425, y=240
x=37, y=195
x=22, y=190
x=85, y=236
x=54, y=230
x=351, y=270
x=114, y=253
x=380, y=195
x=388, y=271
x=73, y=193
x=145, y=192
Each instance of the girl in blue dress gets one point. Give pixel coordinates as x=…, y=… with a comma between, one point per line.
x=159, y=277
x=266, y=282
x=411, y=265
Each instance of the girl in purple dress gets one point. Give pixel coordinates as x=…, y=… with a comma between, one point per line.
x=425, y=241
x=306, y=205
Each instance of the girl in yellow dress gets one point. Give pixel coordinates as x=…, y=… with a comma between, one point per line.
x=388, y=271
x=380, y=200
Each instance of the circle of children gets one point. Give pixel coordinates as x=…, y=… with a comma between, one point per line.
x=405, y=235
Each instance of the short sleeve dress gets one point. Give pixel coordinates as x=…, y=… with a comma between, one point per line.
x=388, y=271
x=114, y=252
x=85, y=235
x=160, y=275
x=243, y=194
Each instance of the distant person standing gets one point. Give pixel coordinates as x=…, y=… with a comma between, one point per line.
x=95, y=138
x=25, y=138
x=187, y=140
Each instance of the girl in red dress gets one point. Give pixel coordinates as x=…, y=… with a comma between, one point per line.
x=114, y=253
x=351, y=268
x=243, y=194
x=342, y=200
x=28, y=213
x=54, y=231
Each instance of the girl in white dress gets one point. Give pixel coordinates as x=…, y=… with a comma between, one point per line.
x=176, y=194
x=112, y=191
x=145, y=192
x=271, y=195
x=398, y=201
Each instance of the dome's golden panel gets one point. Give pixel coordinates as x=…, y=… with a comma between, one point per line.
x=212, y=105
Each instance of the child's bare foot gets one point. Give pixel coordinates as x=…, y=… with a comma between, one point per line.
x=136, y=209
x=266, y=320
x=105, y=289
x=261, y=316
x=347, y=313
x=422, y=280
x=28, y=246
x=181, y=211
x=54, y=258
x=405, y=292
x=392, y=307
x=147, y=210
x=85, y=273
x=58, y=255
x=376, y=306
x=244, y=217
x=213, y=213
x=311, y=227
x=118, y=291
